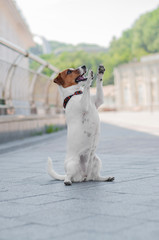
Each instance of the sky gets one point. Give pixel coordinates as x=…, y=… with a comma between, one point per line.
x=83, y=21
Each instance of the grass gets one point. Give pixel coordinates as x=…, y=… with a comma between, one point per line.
x=51, y=128
x=47, y=130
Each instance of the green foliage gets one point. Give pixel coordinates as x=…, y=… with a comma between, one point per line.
x=74, y=59
x=51, y=128
x=59, y=47
x=37, y=133
x=48, y=129
x=140, y=40
x=146, y=31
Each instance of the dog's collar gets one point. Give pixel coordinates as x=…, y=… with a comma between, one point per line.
x=69, y=97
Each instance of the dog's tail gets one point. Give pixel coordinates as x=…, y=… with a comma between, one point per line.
x=52, y=173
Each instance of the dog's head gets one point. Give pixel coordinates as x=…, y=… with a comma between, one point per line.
x=71, y=77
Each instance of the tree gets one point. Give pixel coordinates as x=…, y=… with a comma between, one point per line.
x=140, y=40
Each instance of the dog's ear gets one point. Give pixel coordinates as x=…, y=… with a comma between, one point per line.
x=59, y=80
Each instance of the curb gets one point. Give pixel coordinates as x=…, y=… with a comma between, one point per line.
x=27, y=142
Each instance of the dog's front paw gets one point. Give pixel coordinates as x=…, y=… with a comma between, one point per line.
x=90, y=75
x=101, y=69
x=90, y=78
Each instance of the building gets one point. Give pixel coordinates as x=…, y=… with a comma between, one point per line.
x=13, y=28
x=109, y=98
x=137, y=84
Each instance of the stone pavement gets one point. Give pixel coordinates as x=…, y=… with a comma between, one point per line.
x=33, y=206
x=141, y=121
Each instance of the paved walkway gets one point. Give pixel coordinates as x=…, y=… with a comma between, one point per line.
x=141, y=121
x=32, y=206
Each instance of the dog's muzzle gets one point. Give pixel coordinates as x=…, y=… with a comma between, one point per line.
x=81, y=77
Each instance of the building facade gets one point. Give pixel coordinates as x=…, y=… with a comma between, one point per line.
x=14, y=29
x=109, y=98
x=137, y=84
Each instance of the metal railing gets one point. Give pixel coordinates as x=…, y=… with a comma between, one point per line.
x=25, y=90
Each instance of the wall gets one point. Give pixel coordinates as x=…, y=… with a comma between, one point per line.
x=19, y=127
x=137, y=85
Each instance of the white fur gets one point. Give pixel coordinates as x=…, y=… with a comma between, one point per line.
x=81, y=163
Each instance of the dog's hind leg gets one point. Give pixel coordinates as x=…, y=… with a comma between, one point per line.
x=69, y=168
x=72, y=171
x=95, y=171
x=104, y=179
x=67, y=180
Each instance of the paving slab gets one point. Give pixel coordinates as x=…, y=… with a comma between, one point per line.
x=34, y=206
x=141, y=121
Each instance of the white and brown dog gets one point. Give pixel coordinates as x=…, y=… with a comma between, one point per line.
x=81, y=163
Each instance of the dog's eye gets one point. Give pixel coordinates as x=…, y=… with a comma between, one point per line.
x=69, y=71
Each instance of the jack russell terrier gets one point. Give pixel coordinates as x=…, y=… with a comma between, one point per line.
x=81, y=163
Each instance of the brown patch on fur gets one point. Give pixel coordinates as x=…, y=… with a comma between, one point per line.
x=67, y=80
x=59, y=80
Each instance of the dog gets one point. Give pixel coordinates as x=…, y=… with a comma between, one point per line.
x=83, y=125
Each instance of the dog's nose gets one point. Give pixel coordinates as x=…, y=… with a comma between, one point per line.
x=84, y=67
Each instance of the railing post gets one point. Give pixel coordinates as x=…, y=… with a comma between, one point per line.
x=46, y=93
x=33, y=109
x=7, y=91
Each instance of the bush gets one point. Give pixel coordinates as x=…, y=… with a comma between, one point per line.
x=51, y=128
